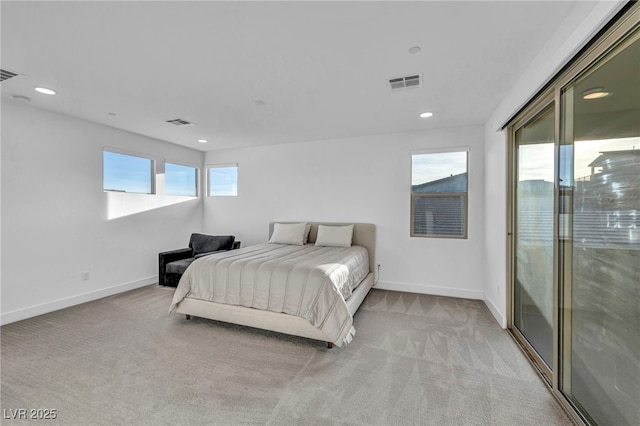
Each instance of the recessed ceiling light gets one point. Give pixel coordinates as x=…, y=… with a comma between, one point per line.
x=45, y=91
x=415, y=49
x=426, y=114
x=21, y=98
x=203, y=140
x=260, y=103
x=595, y=93
x=113, y=114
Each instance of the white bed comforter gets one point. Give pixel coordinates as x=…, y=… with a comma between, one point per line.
x=307, y=281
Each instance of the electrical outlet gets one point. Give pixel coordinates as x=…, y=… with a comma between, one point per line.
x=85, y=276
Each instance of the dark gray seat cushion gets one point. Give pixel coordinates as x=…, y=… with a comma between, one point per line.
x=179, y=266
x=201, y=243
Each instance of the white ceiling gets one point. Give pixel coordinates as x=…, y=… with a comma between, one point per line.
x=322, y=68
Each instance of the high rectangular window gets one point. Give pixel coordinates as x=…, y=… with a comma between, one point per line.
x=127, y=173
x=223, y=180
x=439, y=194
x=180, y=180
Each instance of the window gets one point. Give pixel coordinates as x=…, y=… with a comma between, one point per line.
x=439, y=194
x=180, y=180
x=223, y=180
x=127, y=173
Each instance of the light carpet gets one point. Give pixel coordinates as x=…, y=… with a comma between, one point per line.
x=415, y=360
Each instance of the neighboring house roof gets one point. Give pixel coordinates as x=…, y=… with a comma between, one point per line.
x=535, y=186
x=454, y=183
x=608, y=157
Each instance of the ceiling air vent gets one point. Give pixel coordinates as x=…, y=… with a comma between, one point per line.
x=6, y=75
x=180, y=122
x=408, y=82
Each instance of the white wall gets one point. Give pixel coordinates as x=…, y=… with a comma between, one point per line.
x=585, y=21
x=57, y=222
x=363, y=179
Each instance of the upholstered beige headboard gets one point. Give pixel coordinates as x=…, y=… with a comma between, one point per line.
x=364, y=234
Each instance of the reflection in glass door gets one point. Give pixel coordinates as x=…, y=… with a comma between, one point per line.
x=600, y=248
x=534, y=236
x=574, y=229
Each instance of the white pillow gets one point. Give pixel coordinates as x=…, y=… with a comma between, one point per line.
x=334, y=236
x=288, y=233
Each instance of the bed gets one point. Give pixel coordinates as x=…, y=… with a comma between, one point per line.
x=285, y=288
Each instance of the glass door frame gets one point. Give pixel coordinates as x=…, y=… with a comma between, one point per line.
x=530, y=114
x=611, y=37
x=620, y=37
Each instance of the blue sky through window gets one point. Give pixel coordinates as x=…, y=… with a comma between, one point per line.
x=180, y=180
x=223, y=181
x=434, y=166
x=127, y=173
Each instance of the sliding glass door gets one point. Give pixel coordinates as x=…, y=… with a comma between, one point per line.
x=600, y=255
x=574, y=229
x=534, y=237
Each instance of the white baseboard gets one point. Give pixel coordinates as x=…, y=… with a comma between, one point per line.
x=430, y=289
x=43, y=308
x=499, y=316
x=445, y=291
x=32, y=311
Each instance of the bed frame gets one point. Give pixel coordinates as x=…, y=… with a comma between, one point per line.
x=364, y=234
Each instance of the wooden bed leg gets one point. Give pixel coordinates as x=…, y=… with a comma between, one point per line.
x=329, y=345
x=187, y=316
